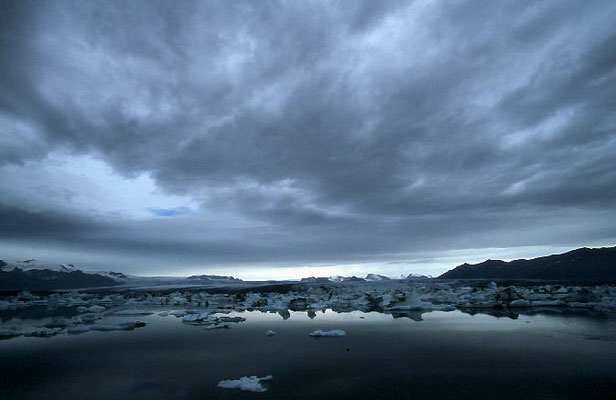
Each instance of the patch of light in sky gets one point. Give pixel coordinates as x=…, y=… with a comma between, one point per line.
x=418, y=264
x=80, y=183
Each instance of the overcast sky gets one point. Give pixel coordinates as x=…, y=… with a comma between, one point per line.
x=285, y=139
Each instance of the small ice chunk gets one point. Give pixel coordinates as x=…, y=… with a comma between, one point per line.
x=106, y=327
x=231, y=319
x=163, y=313
x=122, y=326
x=177, y=314
x=217, y=326
x=129, y=325
x=332, y=333
x=538, y=296
x=74, y=330
x=89, y=317
x=58, y=322
x=133, y=312
x=42, y=332
x=547, y=303
x=190, y=318
x=270, y=333
x=196, y=317
x=247, y=383
x=96, y=309
x=520, y=303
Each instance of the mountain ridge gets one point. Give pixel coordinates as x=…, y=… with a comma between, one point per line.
x=583, y=264
x=47, y=279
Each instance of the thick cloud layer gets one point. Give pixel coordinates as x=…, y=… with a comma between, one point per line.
x=291, y=133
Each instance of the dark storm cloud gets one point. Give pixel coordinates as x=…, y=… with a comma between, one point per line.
x=338, y=130
x=20, y=224
x=167, y=245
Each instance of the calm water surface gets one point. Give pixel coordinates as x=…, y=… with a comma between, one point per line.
x=446, y=356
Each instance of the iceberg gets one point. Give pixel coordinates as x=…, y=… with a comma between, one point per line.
x=246, y=383
x=332, y=333
x=91, y=309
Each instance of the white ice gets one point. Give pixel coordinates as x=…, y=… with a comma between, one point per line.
x=247, y=383
x=217, y=326
x=332, y=333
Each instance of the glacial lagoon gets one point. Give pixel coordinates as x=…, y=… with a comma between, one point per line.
x=405, y=355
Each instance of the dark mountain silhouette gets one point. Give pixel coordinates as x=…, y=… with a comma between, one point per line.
x=45, y=279
x=577, y=265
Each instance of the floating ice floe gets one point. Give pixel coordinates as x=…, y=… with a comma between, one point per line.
x=89, y=317
x=106, y=327
x=332, y=333
x=177, y=314
x=217, y=326
x=133, y=324
x=270, y=333
x=231, y=319
x=41, y=332
x=520, y=303
x=91, y=309
x=133, y=312
x=196, y=317
x=75, y=330
x=122, y=326
x=247, y=383
x=399, y=298
x=58, y=323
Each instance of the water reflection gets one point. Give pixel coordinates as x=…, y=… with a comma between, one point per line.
x=383, y=356
x=18, y=316
x=35, y=312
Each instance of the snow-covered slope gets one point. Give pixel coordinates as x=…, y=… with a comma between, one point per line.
x=417, y=276
x=28, y=276
x=33, y=275
x=210, y=278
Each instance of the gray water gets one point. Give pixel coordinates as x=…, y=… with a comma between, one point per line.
x=447, y=355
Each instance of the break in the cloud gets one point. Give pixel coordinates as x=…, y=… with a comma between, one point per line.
x=164, y=137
